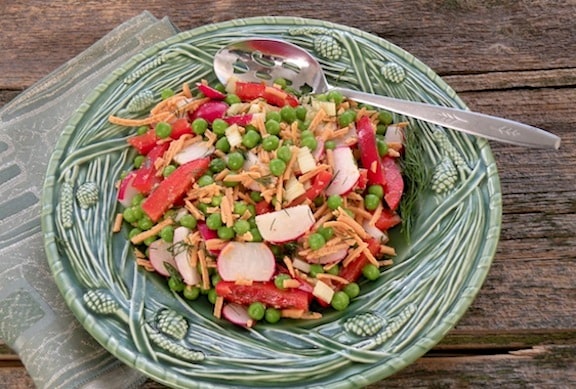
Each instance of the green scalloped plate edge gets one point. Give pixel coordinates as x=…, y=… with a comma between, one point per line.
x=367, y=376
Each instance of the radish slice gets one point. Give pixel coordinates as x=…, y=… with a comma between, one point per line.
x=394, y=134
x=210, y=111
x=160, y=254
x=237, y=314
x=193, y=152
x=285, y=225
x=348, y=139
x=246, y=261
x=126, y=191
x=375, y=232
x=330, y=258
x=189, y=274
x=318, y=152
x=253, y=160
x=346, y=172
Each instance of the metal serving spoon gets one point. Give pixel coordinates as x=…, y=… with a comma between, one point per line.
x=261, y=59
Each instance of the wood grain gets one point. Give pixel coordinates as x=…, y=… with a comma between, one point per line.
x=515, y=59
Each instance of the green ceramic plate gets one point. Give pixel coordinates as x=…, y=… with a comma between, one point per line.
x=395, y=320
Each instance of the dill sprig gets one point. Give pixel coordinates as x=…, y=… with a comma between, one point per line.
x=417, y=178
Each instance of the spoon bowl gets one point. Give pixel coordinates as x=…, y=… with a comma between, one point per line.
x=264, y=60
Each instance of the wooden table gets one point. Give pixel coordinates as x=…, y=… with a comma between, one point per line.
x=515, y=59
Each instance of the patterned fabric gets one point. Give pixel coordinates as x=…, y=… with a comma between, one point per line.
x=34, y=319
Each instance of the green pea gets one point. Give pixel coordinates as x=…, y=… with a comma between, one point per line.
x=166, y=93
x=205, y=180
x=235, y=160
x=250, y=139
x=330, y=145
x=191, y=292
x=225, y=233
x=288, y=114
x=232, y=99
x=272, y=315
x=223, y=145
x=301, y=112
x=163, y=130
x=219, y=127
x=273, y=115
x=203, y=207
x=371, y=272
x=334, y=202
x=214, y=221
x=326, y=232
x=176, y=284
x=376, y=190
x=230, y=184
x=256, y=310
x=273, y=126
x=346, y=118
x=385, y=117
x=281, y=82
x=241, y=226
x=352, y=289
x=279, y=280
x=188, y=221
x=336, y=97
x=199, y=126
x=130, y=215
x=142, y=130
x=167, y=234
x=277, y=167
x=270, y=143
x=217, y=164
x=216, y=200
x=381, y=129
x=371, y=202
x=334, y=270
x=340, y=301
x=215, y=279
x=284, y=153
x=145, y=223
x=303, y=125
x=256, y=236
x=316, y=241
x=139, y=160
x=133, y=232
x=212, y=296
x=137, y=199
x=309, y=142
x=252, y=210
x=382, y=147
x=168, y=170
x=148, y=241
x=240, y=207
x=315, y=269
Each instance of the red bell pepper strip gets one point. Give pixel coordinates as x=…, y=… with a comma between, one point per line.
x=180, y=127
x=146, y=178
x=362, y=182
x=394, y=183
x=144, y=143
x=262, y=206
x=319, y=184
x=369, y=151
x=248, y=91
x=210, y=92
x=266, y=293
x=173, y=188
x=387, y=220
x=353, y=270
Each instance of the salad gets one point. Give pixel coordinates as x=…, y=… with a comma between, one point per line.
x=270, y=203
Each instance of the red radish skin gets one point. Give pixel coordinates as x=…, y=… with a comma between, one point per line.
x=375, y=232
x=210, y=92
x=126, y=191
x=346, y=172
x=246, y=261
x=210, y=111
x=237, y=314
x=160, y=254
x=285, y=225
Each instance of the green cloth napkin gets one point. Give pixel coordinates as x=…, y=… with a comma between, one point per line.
x=34, y=320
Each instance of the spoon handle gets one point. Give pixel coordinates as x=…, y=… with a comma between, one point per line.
x=473, y=123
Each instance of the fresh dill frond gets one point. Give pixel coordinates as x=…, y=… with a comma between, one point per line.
x=416, y=178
